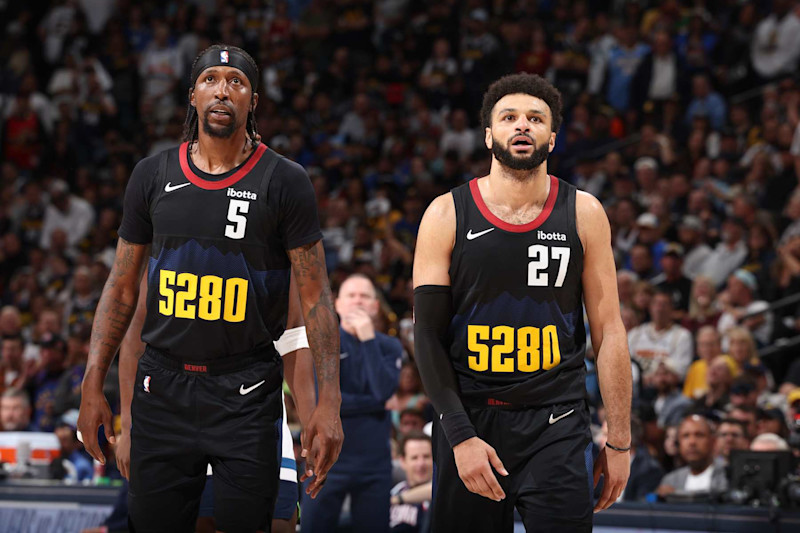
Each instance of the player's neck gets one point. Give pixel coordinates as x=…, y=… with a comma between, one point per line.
x=516, y=189
x=214, y=155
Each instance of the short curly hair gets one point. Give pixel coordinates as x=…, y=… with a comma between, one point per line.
x=524, y=83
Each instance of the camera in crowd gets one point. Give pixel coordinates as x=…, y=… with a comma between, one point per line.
x=764, y=479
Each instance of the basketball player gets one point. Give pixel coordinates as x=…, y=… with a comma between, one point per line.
x=219, y=221
x=502, y=267
x=298, y=369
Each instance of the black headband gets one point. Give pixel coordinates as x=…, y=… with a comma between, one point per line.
x=226, y=58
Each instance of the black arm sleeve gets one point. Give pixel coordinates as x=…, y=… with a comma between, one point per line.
x=433, y=309
x=298, y=222
x=136, y=225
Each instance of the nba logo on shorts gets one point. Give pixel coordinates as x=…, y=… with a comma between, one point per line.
x=223, y=56
x=146, y=383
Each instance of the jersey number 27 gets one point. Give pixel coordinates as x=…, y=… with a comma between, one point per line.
x=540, y=256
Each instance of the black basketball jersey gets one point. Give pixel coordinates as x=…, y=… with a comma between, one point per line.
x=517, y=333
x=218, y=275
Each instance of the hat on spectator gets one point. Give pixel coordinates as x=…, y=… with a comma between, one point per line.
x=645, y=162
x=51, y=340
x=674, y=249
x=755, y=369
x=58, y=187
x=692, y=222
x=793, y=396
x=770, y=413
x=479, y=14
x=647, y=220
x=747, y=278
x=743, y=385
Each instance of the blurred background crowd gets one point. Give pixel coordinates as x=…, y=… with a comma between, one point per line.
x=681, y=116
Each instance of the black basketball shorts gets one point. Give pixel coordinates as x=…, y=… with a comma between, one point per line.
x=548, y=454
x=188, y=415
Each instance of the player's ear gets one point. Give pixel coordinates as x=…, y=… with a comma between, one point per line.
x=254, y=102
x=488, y=138
x=191, y=97
x=552, y=141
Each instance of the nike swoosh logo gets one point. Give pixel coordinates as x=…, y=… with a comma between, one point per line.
x=169, y=187
x=248, y=390
x=344, y=355
x=471, y=235
x=556, y=419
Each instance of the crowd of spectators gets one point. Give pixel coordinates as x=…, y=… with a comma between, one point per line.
x=681, y=116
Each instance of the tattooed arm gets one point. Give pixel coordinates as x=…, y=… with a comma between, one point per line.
x=114, y=312
x=323, y=436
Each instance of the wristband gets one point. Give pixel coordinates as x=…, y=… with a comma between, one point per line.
x=618, y=449
x=291, y=340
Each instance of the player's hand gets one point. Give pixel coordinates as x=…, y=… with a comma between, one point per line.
x=615, y=467
x=474, y=460
x=94, y=411
x=123, y=453
x=322, y=441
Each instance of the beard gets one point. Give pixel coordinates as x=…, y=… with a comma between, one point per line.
x=218, y=130
x=514, y=162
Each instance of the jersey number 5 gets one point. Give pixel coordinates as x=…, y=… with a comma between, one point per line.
x=235, y=210
x=540, y=256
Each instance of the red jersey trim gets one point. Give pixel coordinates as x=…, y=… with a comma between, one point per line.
x=516, y=228
x=210, y=185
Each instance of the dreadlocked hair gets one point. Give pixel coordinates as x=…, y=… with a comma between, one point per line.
x=191, y=124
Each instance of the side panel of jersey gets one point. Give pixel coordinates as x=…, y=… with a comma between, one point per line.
x=218, y=274
x=517, y=334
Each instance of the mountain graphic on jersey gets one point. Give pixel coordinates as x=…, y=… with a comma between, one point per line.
x=508, y=309
x=192, y=257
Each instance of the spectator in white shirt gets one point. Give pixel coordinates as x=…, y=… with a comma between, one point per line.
x=657, y=76
x=740, y=296
x=353, y=128
x=66, y=212
x=776, y=44
x=696, y=448
x=459, y=136
x=690, y=235
x=161, y=69
x=728, y=254
x=661, y=339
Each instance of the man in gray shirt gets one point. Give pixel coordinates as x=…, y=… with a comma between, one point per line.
x=696, y=447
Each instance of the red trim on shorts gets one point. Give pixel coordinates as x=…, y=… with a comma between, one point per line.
x=516, y=228
x=210, y=185
x=496, y=403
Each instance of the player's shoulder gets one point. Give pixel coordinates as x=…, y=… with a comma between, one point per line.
x=441, y=209
x=151, y=163
x=147, y=169
x=286, y=169
x=587, y=204
x=590, y=214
